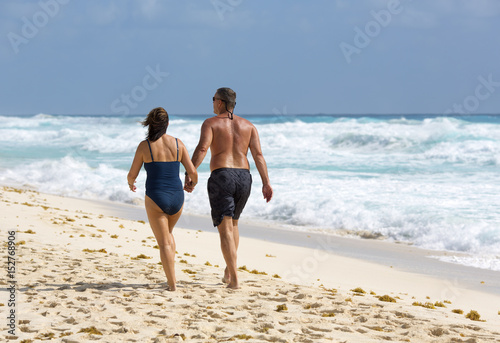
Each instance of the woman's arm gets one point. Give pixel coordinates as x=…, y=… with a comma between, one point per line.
x=136, y=166
x=188, y=165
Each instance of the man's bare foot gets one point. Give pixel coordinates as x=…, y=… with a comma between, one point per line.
x=234, y=285
x=226, y=278
x=170, y=288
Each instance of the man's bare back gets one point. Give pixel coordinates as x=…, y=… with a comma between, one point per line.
x=230, y=140
x=229, y=137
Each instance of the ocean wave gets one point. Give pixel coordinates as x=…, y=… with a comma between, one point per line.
x=125, y=142
x=433, y=215
x=43, y=116
x=441, y=140
x=483, y=153
x=24, y=137
x=431, y=182
x=369, y=142
x=71, y=177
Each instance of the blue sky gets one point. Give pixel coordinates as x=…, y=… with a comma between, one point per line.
x=294, y=57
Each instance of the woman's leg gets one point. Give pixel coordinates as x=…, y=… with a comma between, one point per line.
x=162, y=226
x=172, y=220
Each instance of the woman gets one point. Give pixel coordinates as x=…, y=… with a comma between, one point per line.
x=164, y=199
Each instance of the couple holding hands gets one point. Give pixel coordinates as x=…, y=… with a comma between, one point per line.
x=228, y=137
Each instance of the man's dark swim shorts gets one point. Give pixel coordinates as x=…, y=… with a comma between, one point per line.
x=228, y=191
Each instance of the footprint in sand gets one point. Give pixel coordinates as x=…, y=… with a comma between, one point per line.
x=278, y=299
x=315, y=328
x=71, y=320
x=216, y=314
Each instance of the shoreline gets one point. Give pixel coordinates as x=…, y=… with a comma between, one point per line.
x=82, y=266
x=400, y=256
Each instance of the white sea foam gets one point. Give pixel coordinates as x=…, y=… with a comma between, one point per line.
x=431, y=182
x=71, y=177
x=491, y=262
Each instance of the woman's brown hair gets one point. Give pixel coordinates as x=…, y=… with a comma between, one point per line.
x=157, y=122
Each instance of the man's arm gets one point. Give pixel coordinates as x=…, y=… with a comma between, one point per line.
x=261, y=165
x=200, y=152
x=204, y=144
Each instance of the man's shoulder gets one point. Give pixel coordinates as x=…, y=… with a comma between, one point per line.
x=244, y=121
x=209, y=121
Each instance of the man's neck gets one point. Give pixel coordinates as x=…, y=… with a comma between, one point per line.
x=224, y=114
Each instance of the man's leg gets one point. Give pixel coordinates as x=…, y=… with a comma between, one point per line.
x=228, y=247
x=236, y=237
x=236, y=233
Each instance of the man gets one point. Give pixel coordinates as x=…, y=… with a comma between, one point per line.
x=229, y=137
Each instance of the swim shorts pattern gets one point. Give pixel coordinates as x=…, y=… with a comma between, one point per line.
x=228, y=191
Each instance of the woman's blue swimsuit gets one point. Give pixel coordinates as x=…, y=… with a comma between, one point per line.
x=163, y=184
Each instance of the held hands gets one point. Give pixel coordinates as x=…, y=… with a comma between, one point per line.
x=188, y=184
x=267, y=191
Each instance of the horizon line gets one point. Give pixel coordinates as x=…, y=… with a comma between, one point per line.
x=263, y=114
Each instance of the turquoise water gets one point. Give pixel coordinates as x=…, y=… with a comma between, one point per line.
x=431, y=181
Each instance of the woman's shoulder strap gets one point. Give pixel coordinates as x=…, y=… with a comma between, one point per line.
x=150, y=151
x=177, y=144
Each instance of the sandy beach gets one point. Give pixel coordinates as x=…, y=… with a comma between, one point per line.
x=86, y=271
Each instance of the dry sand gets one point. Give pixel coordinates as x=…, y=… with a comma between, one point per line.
x=83, y=275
